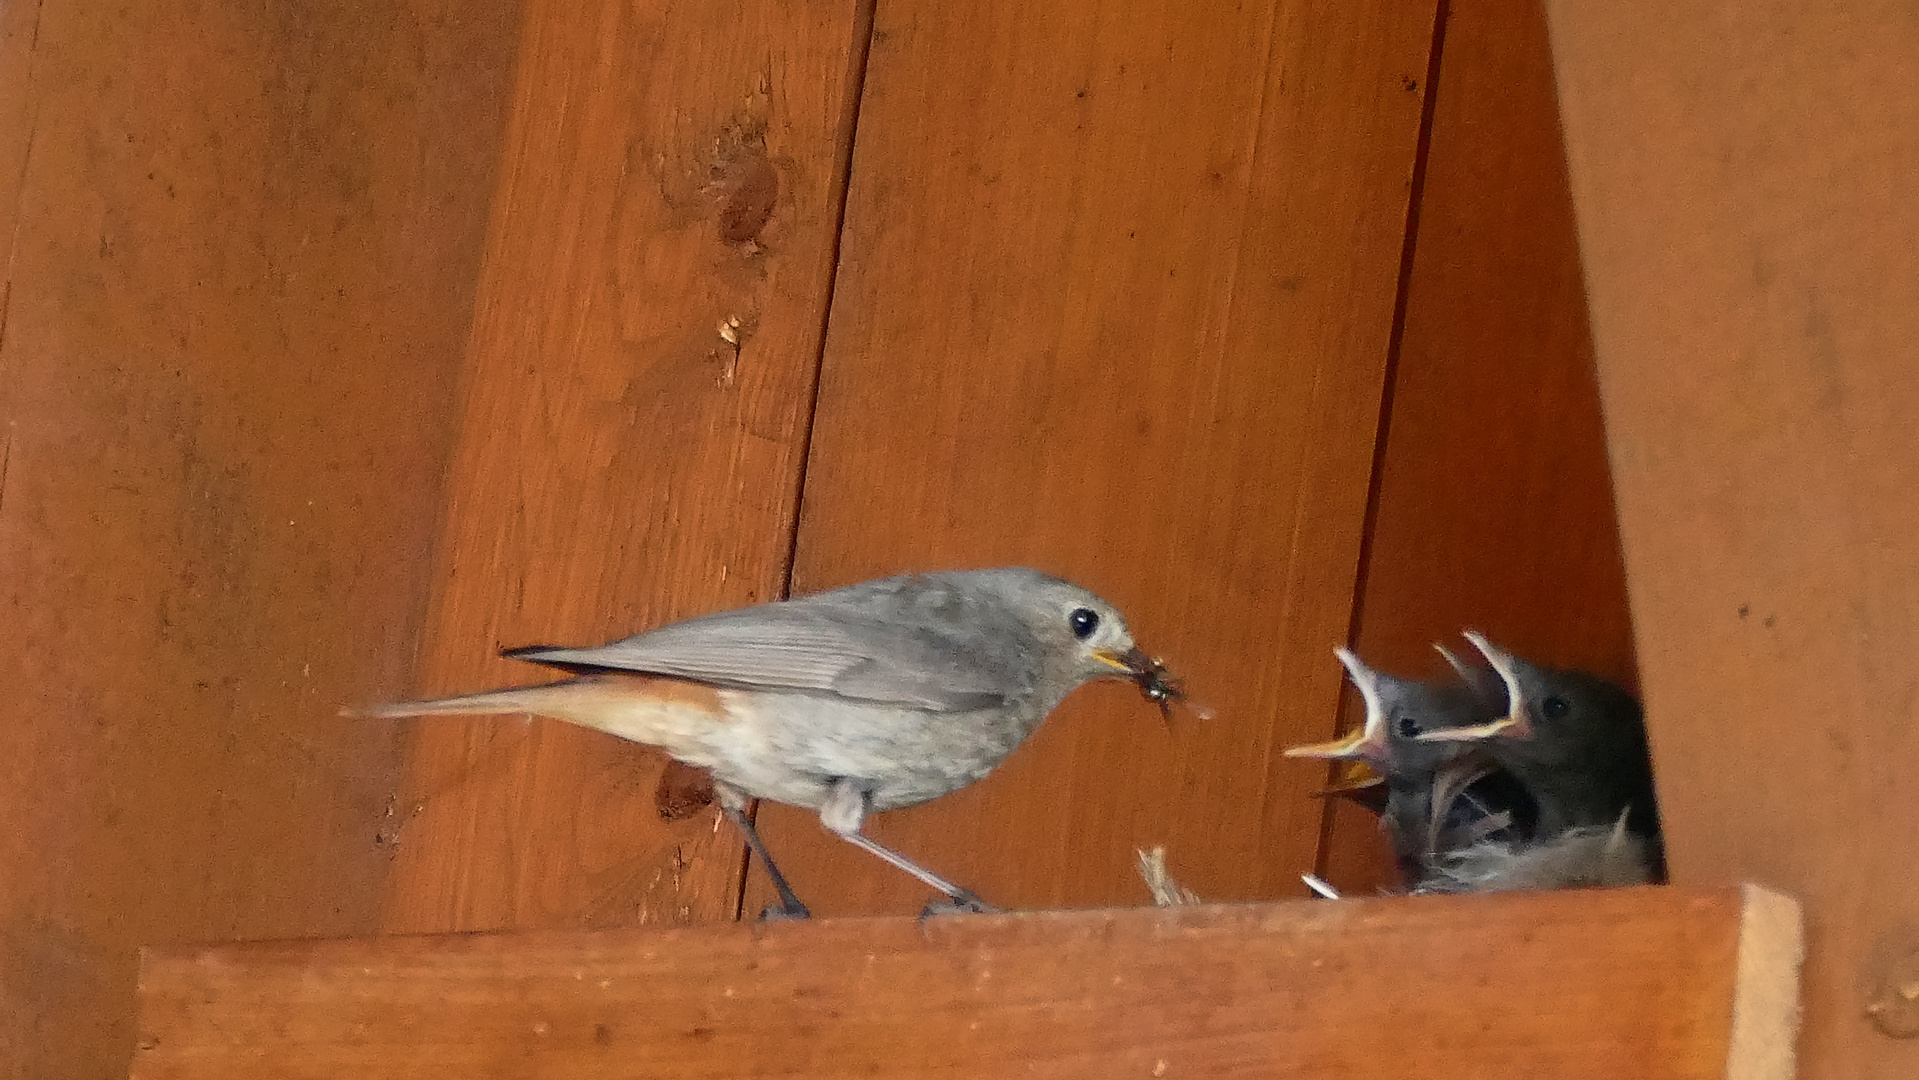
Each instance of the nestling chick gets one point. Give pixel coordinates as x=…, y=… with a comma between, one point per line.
x=1398, y=711
x=1578, y=744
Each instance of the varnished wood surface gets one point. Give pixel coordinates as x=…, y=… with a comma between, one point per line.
x=1114, y=300
x=1647, y=983
x=1494, y=502
x=669, y=170
x=241, y=248
x=1745, y=194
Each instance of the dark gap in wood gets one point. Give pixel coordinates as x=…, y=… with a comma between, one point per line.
x=1383, y=429
x=843, y=168
x=20, y=181
x=26, y=155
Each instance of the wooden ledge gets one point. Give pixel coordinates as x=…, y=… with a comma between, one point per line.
x=1649, y=983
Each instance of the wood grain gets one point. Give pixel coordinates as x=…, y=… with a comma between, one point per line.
x=1750, y=230
x=670, y=169
x=1115, y=293
x=1494, y=502
x=242, y=242
x=1647, y=983
x=19, y=104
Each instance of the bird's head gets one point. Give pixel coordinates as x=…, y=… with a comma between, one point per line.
x=1549, y=710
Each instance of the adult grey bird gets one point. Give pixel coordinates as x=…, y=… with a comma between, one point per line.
x=1577, y=741
x=866, y=698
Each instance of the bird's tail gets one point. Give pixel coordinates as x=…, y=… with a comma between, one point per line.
x=665, y=712
x=550, y=699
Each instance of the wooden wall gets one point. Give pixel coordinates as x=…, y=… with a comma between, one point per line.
x=1097, y=307
x=243, y=241
x=1129, y=322
x=1749, y=219
x=620, y=464
x=1493, y=508
x=343, y=346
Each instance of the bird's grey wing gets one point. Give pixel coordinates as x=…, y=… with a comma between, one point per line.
x=829, y=649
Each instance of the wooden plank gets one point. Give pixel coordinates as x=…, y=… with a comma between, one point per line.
x=1750, y=231
x=1648, y=983
x=242, y=242
x=1494, y=415
x=19, y=104
x=1115, y=294
x=668, y=167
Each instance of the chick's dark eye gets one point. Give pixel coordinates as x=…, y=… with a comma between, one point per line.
x=1554, y=708
x=1408, y=728
x=1083, y=621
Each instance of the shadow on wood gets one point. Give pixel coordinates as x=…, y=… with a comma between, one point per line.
x=1650, y=983
x=1493, y=506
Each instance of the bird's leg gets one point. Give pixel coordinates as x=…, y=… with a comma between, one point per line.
x=843, y=813
x=958, y=899
x=733, y=805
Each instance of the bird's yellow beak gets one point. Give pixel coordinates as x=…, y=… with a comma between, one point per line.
x=1475, y=733
x=1351, y=745
x=1353, y=776
x=1132, y=663
x=1514, y=724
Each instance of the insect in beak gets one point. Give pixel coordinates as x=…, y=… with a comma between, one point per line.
x=1160, y=686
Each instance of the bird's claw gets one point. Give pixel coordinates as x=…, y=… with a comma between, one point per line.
x=960, y=903
x=785, y=912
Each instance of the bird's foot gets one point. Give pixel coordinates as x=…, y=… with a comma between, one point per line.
x=960, y=903
x=785, y=912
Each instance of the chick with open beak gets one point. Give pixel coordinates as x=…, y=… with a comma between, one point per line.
x=1576, y=741
x=1397, y=710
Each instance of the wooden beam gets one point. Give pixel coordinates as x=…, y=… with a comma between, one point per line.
x=1651, y=983
x=1117, y=286
x=671, y=171
x=241, y=242
x=1744, y=180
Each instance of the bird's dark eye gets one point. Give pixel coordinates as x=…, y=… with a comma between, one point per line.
x=1084, y=621
x=1554, y=708
x=1408, y=728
